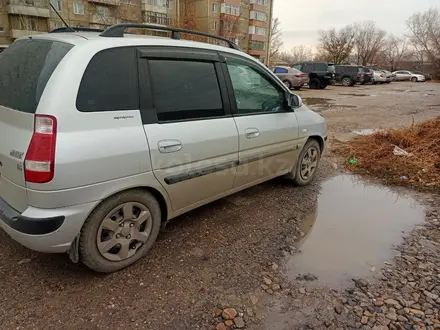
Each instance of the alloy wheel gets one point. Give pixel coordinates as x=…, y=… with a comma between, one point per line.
x=308, y=163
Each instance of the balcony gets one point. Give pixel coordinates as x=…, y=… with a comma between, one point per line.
x=36, y=8
x=106, y=2
x=256, y=45
x=146, y=6
x=258, y=7
x=161, y=21
x=254, y=22
x=232, y=2
x=255, y=52
x=257, y=37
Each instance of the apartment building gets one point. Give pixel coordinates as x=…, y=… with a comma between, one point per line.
x=247, y=22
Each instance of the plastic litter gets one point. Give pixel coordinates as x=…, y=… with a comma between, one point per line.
x=353, y=160
x=404, y=178
x=400, y=152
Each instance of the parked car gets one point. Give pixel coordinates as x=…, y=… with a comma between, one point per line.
x=368, y=76
x=389, y=77
x=379, y=77
x=96, y=166
x=427, y=76
x=291, y=77
x=321, y=74
x=403, y=75
x=349, y=75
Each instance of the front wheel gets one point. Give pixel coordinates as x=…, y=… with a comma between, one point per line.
x=288, y=84
x=323, y=86
x=307, y=164
x=120, y=231
x=314, y=83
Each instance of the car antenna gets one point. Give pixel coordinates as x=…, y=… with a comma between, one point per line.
x=58, y=14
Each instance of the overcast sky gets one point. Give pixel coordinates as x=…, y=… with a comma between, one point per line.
x=301, y=19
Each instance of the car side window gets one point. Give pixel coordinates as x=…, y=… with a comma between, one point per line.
x=307, y=67
x=255, y=92
x=110, y=82
x=281, y=70
x=320, y=66
x=184, y=90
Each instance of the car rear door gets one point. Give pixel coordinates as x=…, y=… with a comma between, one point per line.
x=25, y=68
x=268, y=134
x=192, y=136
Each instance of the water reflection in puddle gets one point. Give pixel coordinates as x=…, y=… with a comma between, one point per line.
x=352, y=231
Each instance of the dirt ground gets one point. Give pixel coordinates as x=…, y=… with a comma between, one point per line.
x=342, y=253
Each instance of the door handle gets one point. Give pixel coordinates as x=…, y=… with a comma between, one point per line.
x=167, y=146
x=251, y=133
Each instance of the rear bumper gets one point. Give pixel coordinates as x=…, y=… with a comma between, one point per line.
x=44, y=230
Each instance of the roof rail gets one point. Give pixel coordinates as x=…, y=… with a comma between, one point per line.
x=117, y=31
x=75, y=29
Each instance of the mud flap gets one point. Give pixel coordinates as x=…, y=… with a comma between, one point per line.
x=74, y=250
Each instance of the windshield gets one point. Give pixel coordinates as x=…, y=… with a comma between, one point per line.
x=25, y=69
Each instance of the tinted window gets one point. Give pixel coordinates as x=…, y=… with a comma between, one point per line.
x=307, y=67
x=351, y=69
x=320, y=66
x=25, y=69
x=339, y=69
x=281, y=70
x=255, y=94
x=110, y=82
x=185, y=90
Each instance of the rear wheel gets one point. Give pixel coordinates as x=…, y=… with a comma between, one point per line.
x=297, y=88
x=323, y=86
x=414, y=79
x=314, y=83
x=288, y=84
x=346, y=81
x=120, y=231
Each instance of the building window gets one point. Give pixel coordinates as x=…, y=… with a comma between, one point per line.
x=258, y=15
x=214, y=8
x=214, y=25
x=257, y=45
x=78, y=8
x=260, y=2
x=162, y=3
x=2, y=28
x=157, y=18
x=230, y=9
x=103, y=12
x=56, y=4
x=257, y=30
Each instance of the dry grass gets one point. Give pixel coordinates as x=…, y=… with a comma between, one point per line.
x=375, y=156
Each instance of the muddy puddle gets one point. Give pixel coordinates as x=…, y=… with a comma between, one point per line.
x=352, y=231
x=354, y=94
x=319, y=104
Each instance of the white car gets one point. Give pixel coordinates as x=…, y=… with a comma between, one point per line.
x=408, y=75
x=379, y=77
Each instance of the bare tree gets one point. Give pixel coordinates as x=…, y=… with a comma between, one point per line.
x=370, y=40
x=276, y=40
x=336, y=45
x=395, y=50
x=296, y=54
x=425, y=35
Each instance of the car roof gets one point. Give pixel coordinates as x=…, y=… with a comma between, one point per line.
x=79, y=38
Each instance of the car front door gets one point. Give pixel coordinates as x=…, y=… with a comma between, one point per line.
x=192, y=136
x=268, y=134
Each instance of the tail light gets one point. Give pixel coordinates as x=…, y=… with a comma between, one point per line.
x=39, y=163
x=300, y=75
x=369, y=74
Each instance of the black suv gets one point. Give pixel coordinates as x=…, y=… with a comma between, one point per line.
x=349, y=75
x=321, y=74
x=368, y=75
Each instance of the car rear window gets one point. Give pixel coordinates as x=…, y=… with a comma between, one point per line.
x=25, y=69
x=281, y=70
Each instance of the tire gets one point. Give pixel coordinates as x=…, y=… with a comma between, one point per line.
x=375, y=83
x=413, y=79
x=112, y=210
x=314, y=83
x=297, y=88
x=288, y=84
x=346, y=81
x=323, y=86
x=296, y=176
x=363, y=83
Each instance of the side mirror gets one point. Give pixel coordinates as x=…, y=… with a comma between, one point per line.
x=292, y=101
x=296, y=101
